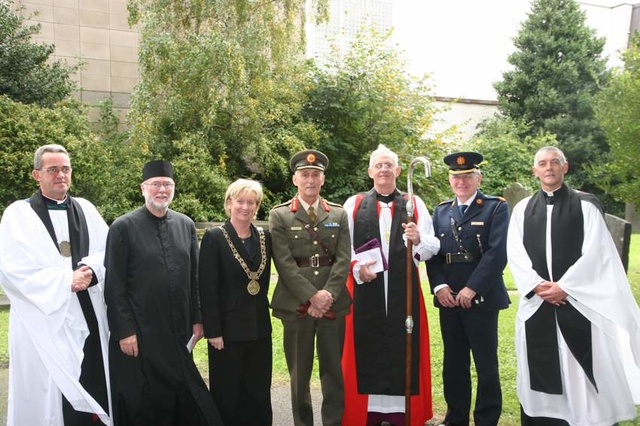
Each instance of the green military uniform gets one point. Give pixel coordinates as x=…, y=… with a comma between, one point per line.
x=309, y=260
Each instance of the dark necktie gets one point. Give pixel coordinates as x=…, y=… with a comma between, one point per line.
x=312, y=214
x=549, y=199
x=462, y=208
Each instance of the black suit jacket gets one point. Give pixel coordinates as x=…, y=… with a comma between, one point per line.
x=228, y=310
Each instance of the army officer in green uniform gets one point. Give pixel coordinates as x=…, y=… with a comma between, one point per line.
x=312, y=253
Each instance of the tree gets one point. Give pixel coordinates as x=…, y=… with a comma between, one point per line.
x=23, y=128
x=618, y=110
x=507, y=157
x=26, y=75
x=224, y=81
x=365, y=99
x=557, y=70
x=107, y=167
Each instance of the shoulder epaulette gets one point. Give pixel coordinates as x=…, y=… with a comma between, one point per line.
x=446, y=202
x=286, y=203
x=494, y=197
x=331, y=203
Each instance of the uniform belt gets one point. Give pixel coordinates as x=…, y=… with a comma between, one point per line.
x=314, y=261
x=460, y=257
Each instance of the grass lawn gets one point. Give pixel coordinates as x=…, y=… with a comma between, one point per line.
x=511, y=410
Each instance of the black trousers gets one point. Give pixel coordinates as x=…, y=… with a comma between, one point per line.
x=240, y=382
x=466, y=332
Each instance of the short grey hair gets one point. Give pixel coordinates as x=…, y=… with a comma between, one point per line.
x=44, y=149
x=383, y=150
x=241, y=186
x=545, y=149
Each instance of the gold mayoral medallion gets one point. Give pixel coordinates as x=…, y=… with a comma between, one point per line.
x=253, y=287
x=65, y=248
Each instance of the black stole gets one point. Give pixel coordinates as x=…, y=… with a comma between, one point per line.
x=380, y=336
x=567, y=235
x=92, y=370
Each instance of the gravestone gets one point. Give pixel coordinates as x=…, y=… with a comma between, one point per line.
x=514, y=193
x=620, y=231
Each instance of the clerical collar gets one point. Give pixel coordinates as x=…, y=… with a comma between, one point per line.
x=549, y=195
x=386, y=198
x=56, y=204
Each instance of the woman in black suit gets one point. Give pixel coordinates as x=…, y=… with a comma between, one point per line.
x=235, y=267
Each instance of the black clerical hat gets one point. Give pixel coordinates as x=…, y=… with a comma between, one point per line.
x=157, y=168
x=463, y=162
x=309, y=159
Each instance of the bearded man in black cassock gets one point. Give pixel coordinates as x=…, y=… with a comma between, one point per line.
x=154, y=312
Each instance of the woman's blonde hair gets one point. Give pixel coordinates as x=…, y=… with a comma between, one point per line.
x=241, y=186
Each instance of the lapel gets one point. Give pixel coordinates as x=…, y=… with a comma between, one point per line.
x=322, y=213
x=474, y=209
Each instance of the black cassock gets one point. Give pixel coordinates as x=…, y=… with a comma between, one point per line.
x=151, y=290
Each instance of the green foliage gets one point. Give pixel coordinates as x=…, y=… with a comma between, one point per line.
x=23, y=128
x=618, y=110
x=557, y=69
x=508, y=157
x=26, y=75
x=106, y=167
x=365, y=99
x=227, y=76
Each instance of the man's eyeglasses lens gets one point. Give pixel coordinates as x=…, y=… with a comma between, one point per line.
x=158, y=185
x=55, y=170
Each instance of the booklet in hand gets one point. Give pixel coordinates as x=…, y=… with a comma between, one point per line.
x=372, y=251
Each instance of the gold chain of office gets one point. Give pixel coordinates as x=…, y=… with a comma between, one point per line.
x=254, y=286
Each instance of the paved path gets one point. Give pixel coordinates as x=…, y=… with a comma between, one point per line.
x=280, y=400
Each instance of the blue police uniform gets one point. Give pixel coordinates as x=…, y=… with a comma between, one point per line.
x=472, y=254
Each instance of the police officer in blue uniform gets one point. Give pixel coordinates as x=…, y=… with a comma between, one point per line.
x=466, y=279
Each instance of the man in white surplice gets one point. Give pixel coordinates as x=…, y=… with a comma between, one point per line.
x=51, y=268
x=578, y=326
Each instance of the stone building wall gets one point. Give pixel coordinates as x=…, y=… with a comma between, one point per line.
x=97, y=33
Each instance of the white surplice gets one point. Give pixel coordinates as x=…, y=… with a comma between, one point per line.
x=47, y=328
x=598, y=288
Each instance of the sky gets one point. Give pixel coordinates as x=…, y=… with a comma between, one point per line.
x=464, y=44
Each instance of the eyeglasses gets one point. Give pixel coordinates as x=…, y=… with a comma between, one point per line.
x=383, y=166
x=55, y=170
x=158, y=185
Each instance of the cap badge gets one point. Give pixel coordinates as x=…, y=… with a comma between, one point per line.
x=311, y=158
x=461, y=161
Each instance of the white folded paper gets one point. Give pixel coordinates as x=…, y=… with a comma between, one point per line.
x=374, y=254
x=191, y=343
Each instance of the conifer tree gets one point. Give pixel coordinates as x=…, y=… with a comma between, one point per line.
x=557, y=70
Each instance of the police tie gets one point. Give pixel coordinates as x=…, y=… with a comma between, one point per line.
x=312, y=214
x=462, y=208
